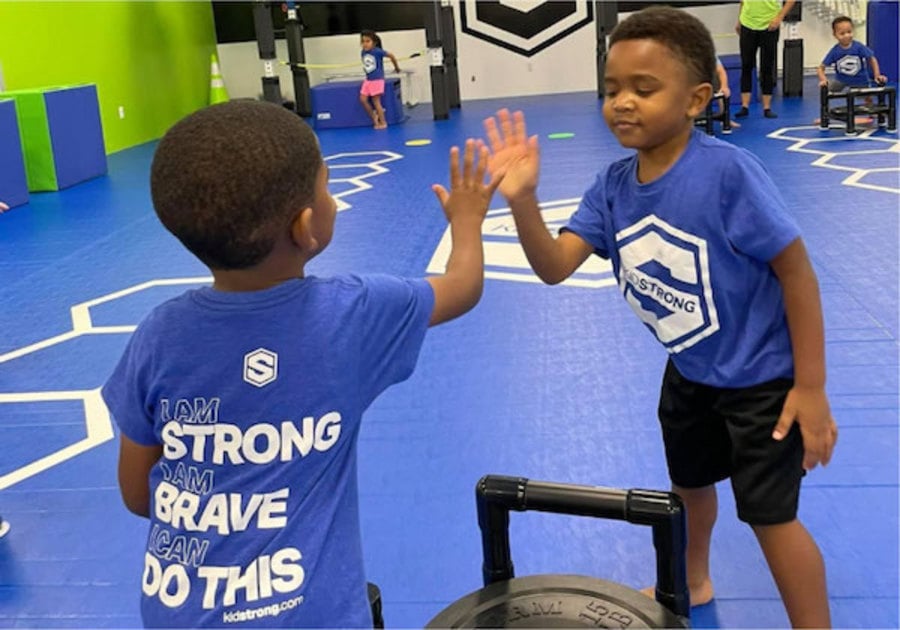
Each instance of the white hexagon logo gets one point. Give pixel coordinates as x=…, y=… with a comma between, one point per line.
x=260, y=367
x=664, y=276
x=525, y=27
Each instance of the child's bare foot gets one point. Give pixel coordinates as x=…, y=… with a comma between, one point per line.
x=381, y=126
x=702, y=594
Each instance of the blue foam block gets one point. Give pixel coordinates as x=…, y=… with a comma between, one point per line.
x=336, y=104
x=13, y=183
x=73, y=115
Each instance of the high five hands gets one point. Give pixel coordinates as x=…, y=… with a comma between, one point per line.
x=513, y=154
x=469, y=195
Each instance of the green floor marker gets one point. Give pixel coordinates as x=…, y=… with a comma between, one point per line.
x=418, y=143
x=561, y=136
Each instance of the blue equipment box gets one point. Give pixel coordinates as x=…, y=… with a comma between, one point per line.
x=336, y=104
x=13, y=183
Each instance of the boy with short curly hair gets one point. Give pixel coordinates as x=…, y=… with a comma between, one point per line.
x=240, y=403
x=709, y=259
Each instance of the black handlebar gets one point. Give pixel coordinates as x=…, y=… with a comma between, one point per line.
x=497, y=495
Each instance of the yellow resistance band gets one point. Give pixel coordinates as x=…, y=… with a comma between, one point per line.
x=345, y=65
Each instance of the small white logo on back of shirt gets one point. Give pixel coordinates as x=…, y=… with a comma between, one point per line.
x=260, y=367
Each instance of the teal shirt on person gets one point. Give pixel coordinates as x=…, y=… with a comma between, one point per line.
x=758, y=14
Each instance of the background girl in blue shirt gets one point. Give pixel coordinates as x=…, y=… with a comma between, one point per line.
x=373, y=85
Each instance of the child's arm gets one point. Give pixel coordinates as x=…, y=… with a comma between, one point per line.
x=135, y=462
x=518, y=157
x=821, y=72
x=465, y=205
x=806, y=402
x=723, y=79
x=876, y=71
x=393, y=60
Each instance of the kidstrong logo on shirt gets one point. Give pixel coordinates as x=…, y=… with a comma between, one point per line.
x=260, y=367
x=664, y=276
x=370, y=63
x=851, y=65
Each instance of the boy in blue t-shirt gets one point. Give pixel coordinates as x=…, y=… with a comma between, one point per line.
x=373, y=85
x=708, y=258
x=239, y=404
x=851, y=60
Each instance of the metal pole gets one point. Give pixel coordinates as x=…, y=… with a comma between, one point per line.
x=265, y=41
x=293, y=32
x=606, y=16
x=448, y=33
x=440, y=104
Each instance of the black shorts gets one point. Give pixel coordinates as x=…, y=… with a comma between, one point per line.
x=714, y=433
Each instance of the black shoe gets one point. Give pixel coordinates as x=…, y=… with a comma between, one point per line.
x=768, y=113
x=743, y=112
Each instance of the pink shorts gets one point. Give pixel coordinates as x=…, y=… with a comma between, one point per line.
x=372, y=88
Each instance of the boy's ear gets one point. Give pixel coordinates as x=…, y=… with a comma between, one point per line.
x=699, y=99
x=301, y=231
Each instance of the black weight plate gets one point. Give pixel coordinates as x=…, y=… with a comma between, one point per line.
x=556, y=601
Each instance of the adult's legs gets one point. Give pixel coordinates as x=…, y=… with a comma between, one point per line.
x=749, y=43
x=768, y=53
x=799, y=571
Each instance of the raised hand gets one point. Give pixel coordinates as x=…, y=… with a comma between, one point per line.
x=513, y=154
x=469, y=195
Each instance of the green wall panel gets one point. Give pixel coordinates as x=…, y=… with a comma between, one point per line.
x=31, y=113
x=149, y=58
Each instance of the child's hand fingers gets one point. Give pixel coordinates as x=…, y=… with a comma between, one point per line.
x=493, y=134
x=468, y=159
x=495, y=181
x=519, y=120
x=441, y=194
x=482, y=162
x=506, y=125
x=454, y=167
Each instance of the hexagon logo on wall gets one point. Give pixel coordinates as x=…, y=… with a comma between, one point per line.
x=525, y=27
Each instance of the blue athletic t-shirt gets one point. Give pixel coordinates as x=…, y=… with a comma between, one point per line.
x=256, y=398
x=851, y=64
x=373, y=63
x=691, y=253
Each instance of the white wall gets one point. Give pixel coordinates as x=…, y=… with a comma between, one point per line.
x=486, y=70
x=489, y=71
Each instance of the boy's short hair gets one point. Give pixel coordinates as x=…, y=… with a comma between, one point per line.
x=679, y=31
x=838, y=20
x=228, y=178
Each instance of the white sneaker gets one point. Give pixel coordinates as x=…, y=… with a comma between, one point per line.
x=4, y=527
